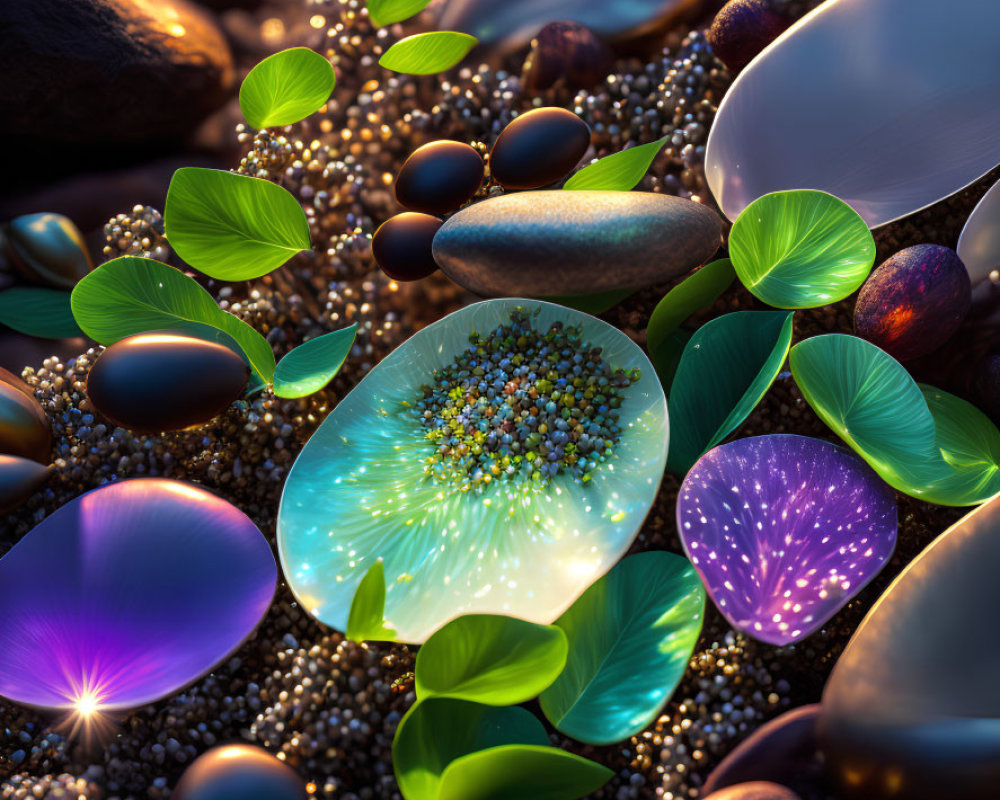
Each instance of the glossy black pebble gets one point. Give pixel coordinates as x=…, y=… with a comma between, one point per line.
x=19, y=479
x=155, y=382
x=47, y=249
x=24, y=428
x=402, y=246
x=566, y=54
x=439, y=177
x=538, y=148
x=239, y=772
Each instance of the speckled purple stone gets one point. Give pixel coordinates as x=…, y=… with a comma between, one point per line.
x=784, y=530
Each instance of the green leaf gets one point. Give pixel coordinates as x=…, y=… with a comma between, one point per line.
x=232, y=227
x=668, y=357
x=631, y=635
x=592, y=303
x=45, y=313
x=925, y=443
x=490, y=659
x=286, y=87
x=365, y=621
x=437, y=731
x=522, y=771
x=618, y=172
x=313, y=364
x=727, y=367
x=801, y=249
x=130, y=295
x=428, y=53
x=387, y=12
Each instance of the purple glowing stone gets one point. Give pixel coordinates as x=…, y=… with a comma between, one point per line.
x=128, y=593
x=784, y=530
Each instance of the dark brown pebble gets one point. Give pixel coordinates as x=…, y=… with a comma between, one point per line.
x=439, y=177
x=538, y=148
x=757, y=790
x=743, y=28
x=19, y=479
x=155, y=382
x=24, y=428
x=47, y=249
x=402, y=246
x=239, y=772
x=566, y=54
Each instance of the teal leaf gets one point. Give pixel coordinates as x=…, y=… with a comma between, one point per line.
x=618, y=172
x=490, y=659
x=631, y=635
x=437, y=731
x=313, y=364
x=232, y=227
x=522, y=771
x=365, y=621
x=725, y=370
x=130, y=295
x=387, y=12
x=592, y=303
x=428, y=53
x=801, y=249
x=286, y=87
x=668, y=357
x=45, y=313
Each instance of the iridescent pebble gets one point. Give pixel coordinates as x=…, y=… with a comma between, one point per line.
x=538, y=148
x=47, y=249
x=19, y=479
x=24, y=428
x=239, y=772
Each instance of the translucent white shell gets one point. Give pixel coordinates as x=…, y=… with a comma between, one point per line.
x=979, y=244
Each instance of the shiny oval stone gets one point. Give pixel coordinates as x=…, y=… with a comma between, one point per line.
x=128, y=593
x=19, y=479
x=24, y=428
x=239, y=772
x=538, y=148
x=439, y=177
x=784, y=530
x=556, y=243
x=911, y=709
x=757, y=790
x=743, y=28
x=914, y=301
x=402, y=246
x=842, y=102
x=47, y=249
x=154, y=382
x=457, y=537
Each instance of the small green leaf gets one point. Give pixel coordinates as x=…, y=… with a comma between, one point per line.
x=130, y=295
x=437, y=731
x=286, y=87
x=45, y=313
x=490, y=659
x=727, y=367
x=631, y=635
x=387, y=12
x=618, y=172
x=313, y=364
x=592, y=303
x=428, y=53
x=232, y=227
x=801, y=249
x=365, y=621
x=522, y=771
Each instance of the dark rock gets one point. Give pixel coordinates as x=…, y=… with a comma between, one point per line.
x=402, y=246
x=538, y=148
x=743, y=28
x=24, y=428
x=758, y=790
x=914, y=301
x=239, y=772
x=569, y=243
x=911, y=710
x=19, y=479
x=110, y=70
x=439, y=177
x=47, y=249
x=155, y=382
x=566, y=54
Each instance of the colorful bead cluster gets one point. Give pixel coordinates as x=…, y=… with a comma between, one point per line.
x=519, y=403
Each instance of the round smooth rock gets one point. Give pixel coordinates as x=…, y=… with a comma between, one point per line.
x=566, y=54
x=104, y=71
x=538, y=148
x=155, y=382
x=19, y=479
x=914, y=301
x=24, y=428
x=402, y=246
x=743, y=28
x=554, y=243
x=911, y=710
x=239, y=772
x=439, y=177
x=757, y=790
x=47, y=249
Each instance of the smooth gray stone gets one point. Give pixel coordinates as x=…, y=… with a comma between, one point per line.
x=551, y=243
